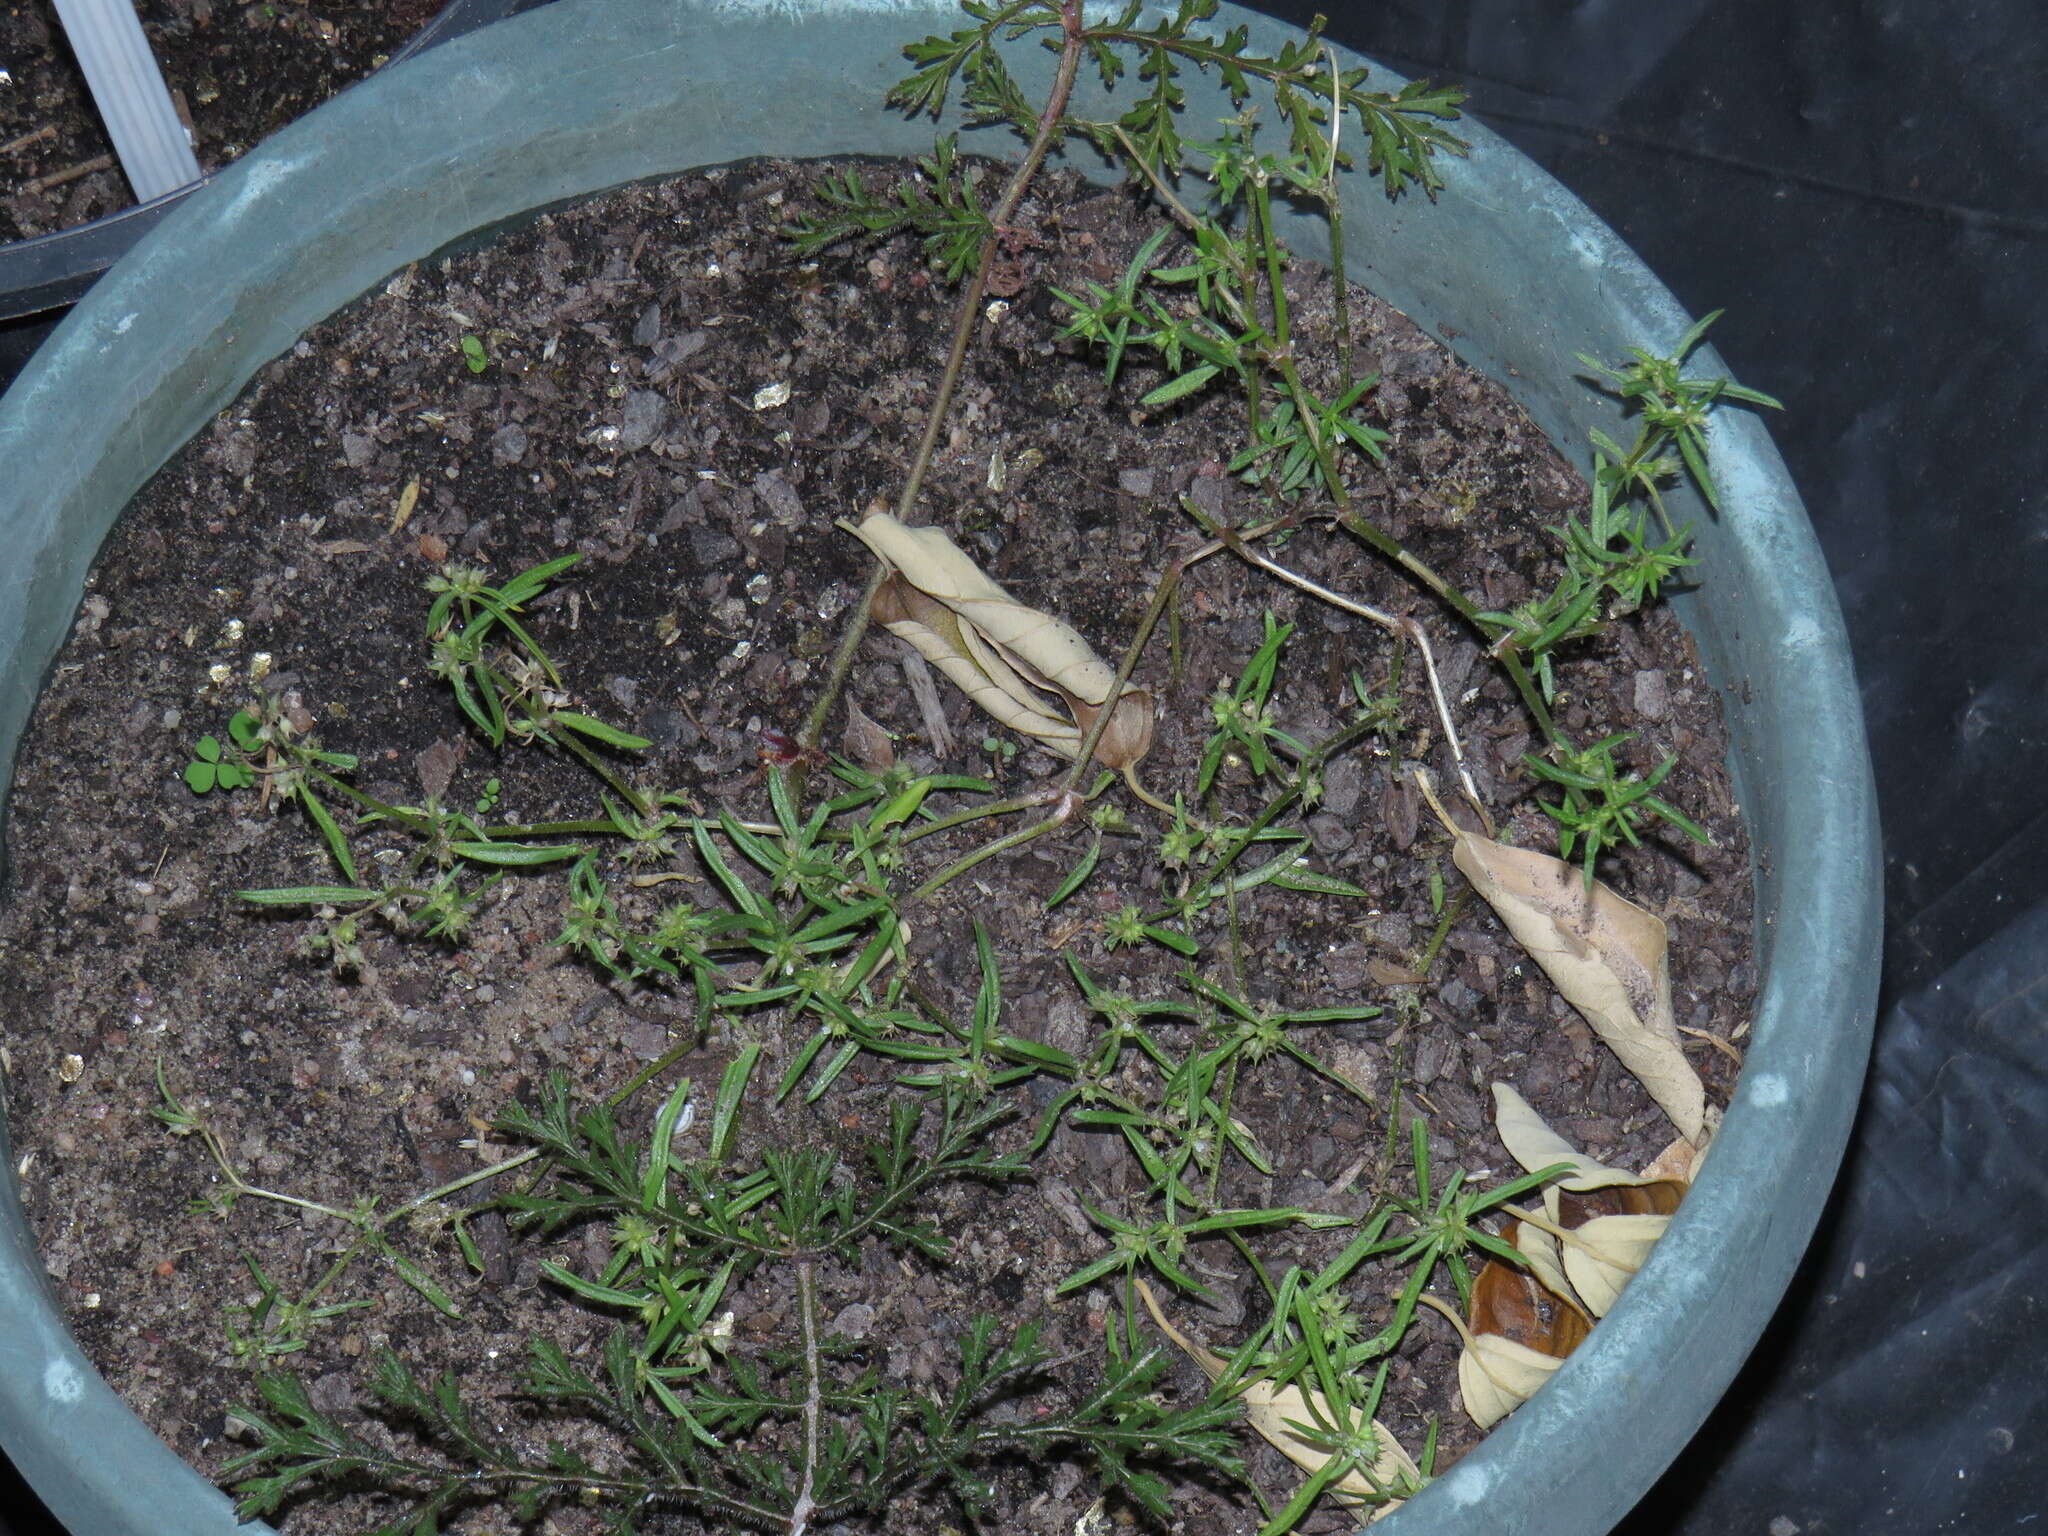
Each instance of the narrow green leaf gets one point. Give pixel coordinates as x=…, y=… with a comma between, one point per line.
x=1316, y=883
x=1180, y=388
x=309, y=895
x=654, y=1181
x=518, y=855
x=731, y=1089
x=597, y=730
x=324, y=819
x=422, y=1282
x=1077, y=876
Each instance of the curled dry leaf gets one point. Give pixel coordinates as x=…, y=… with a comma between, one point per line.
x=1613, y=1217
x=1604, y=953
x=1014, y=661
x=1681, y=1160
x=1609, y=1251
x=1271, y=1410
x=865, y=742
x=1521, y=1329
x=1496, y=1376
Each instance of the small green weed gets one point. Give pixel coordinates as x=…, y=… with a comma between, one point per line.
x=215, y=766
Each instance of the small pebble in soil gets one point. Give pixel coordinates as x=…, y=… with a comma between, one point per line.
x=1652, y=696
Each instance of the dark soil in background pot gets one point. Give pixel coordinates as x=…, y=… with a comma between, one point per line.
x=671, y=395
x=237, y=72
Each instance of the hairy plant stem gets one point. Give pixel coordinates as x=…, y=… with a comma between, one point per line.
x=980, y=813
x=1049, y=125
x=806, y=1505
x=1333, y=211
x=369, y=1227
x=1067, y=796
x=989, y=850
x=1453, y=910
x=597, y=765
x=371, y=803
x=1161, y=595
x=813, y=732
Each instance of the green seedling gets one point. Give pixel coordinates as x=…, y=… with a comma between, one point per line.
x=1602, y=805
x=474, y=357
x=1244, y=723
x=215, y=766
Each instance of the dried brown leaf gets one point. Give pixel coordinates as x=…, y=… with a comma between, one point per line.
x=1652, y=1197
x=1612, y=1217
x=865, y=742
x=436, y=767
x=1496, y=1376
x=1013, y=660
x=1516, y=1305
x=1607, y=956
x=1681, y=1160
x=1609, y=1250
x=1523, y=1326
x=1533, y=1144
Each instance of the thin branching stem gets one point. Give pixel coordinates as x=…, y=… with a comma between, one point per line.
x=1049, y=128
x=1333, y=212
x=989, y=850
x=806, y=1504
x=1454, y=909
x=1396, y=623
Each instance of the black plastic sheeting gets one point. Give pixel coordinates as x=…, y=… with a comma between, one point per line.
x=1864, y=187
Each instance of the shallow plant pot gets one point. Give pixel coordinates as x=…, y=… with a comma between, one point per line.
x=1507, y=266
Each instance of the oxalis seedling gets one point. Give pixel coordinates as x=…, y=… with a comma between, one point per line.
x=797, y=957
x=215, y=767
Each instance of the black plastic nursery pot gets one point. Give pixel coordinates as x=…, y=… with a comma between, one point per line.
x=1506, y=266
x=53, y=270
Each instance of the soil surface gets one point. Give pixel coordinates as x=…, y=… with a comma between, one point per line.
x=236, y=72
x=669, y=393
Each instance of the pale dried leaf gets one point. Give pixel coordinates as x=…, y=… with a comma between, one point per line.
x=1607, y=956
x=1005, y=655
x=1497, y=1375
x=1523, y=1325
x=1681, y=1161
x=1619, y=1246
x=924, y=693
x=939, y=636
x=1533, y=1144
x=1540, y=1249
x=436, y=767
x=1614, y=1217
x=1269, y=1409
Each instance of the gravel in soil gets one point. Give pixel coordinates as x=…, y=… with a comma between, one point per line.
x=236, y=73
x=669, y=394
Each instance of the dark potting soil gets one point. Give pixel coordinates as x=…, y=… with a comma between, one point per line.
x=669, y=393
x=236, y=72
